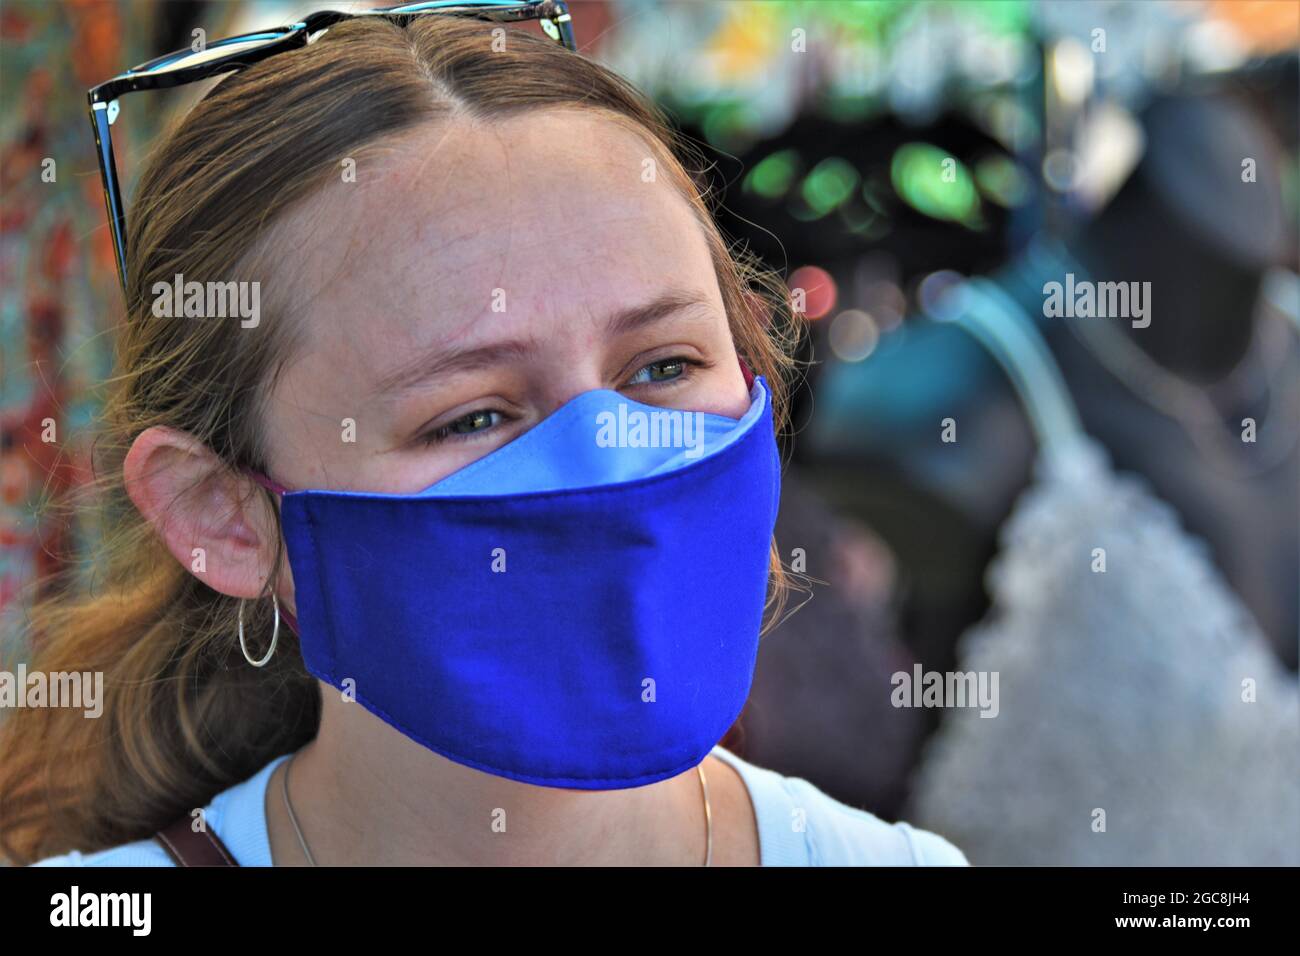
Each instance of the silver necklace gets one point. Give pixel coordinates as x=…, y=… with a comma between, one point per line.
x=302, y=842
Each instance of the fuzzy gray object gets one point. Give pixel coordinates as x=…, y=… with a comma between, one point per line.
x=1120, y=690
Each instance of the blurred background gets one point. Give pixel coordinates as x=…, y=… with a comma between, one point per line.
x=1102, y=512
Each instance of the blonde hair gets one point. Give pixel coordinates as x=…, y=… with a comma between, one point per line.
x=184, y=716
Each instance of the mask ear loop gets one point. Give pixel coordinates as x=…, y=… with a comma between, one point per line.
x=744, y=370
x=266, y=482
x=281, y=490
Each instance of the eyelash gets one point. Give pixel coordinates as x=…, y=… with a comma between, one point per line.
x=444, y=434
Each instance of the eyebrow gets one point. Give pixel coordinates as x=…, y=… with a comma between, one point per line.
x=439, y=361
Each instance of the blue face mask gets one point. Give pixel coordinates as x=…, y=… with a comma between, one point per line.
x=579, y=608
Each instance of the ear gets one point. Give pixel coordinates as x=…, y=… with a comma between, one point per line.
x=215, y=522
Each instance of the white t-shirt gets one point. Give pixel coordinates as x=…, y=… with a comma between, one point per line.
x=798, y=825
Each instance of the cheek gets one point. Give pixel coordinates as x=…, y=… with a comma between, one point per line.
x=727, y=394
x=731, y=375
x=304, y=428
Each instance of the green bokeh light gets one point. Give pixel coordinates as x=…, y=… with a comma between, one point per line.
x=1002, y=181
x=829, y=184
x=936, y=184
x=771, y=177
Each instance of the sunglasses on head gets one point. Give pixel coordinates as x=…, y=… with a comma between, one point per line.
x=235, y=53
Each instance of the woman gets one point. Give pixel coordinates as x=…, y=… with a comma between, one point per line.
x=514, y=628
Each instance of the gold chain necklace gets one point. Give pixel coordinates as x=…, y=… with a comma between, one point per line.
x=302, y=842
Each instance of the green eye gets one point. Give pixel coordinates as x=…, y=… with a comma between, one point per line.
x=473, y=422
x=464, y=428
x=674, y=367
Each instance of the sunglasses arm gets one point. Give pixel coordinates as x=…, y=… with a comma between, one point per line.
x=554, y=14
x=102, y=115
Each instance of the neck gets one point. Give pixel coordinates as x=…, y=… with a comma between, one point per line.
x=365, y=795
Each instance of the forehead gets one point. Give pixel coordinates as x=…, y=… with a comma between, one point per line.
x=545, y=216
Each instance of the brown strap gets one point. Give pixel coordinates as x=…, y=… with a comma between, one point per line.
x=190, y=848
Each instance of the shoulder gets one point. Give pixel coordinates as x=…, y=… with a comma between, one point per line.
x=841, y=835
x=237, y=815
x=139, y=853
x=800, y=825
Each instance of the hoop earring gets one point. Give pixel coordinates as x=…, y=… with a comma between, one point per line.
x=275, y=633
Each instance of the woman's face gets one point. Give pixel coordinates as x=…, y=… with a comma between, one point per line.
x=475, y=277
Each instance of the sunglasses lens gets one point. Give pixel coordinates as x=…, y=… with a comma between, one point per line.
x=222, y=48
